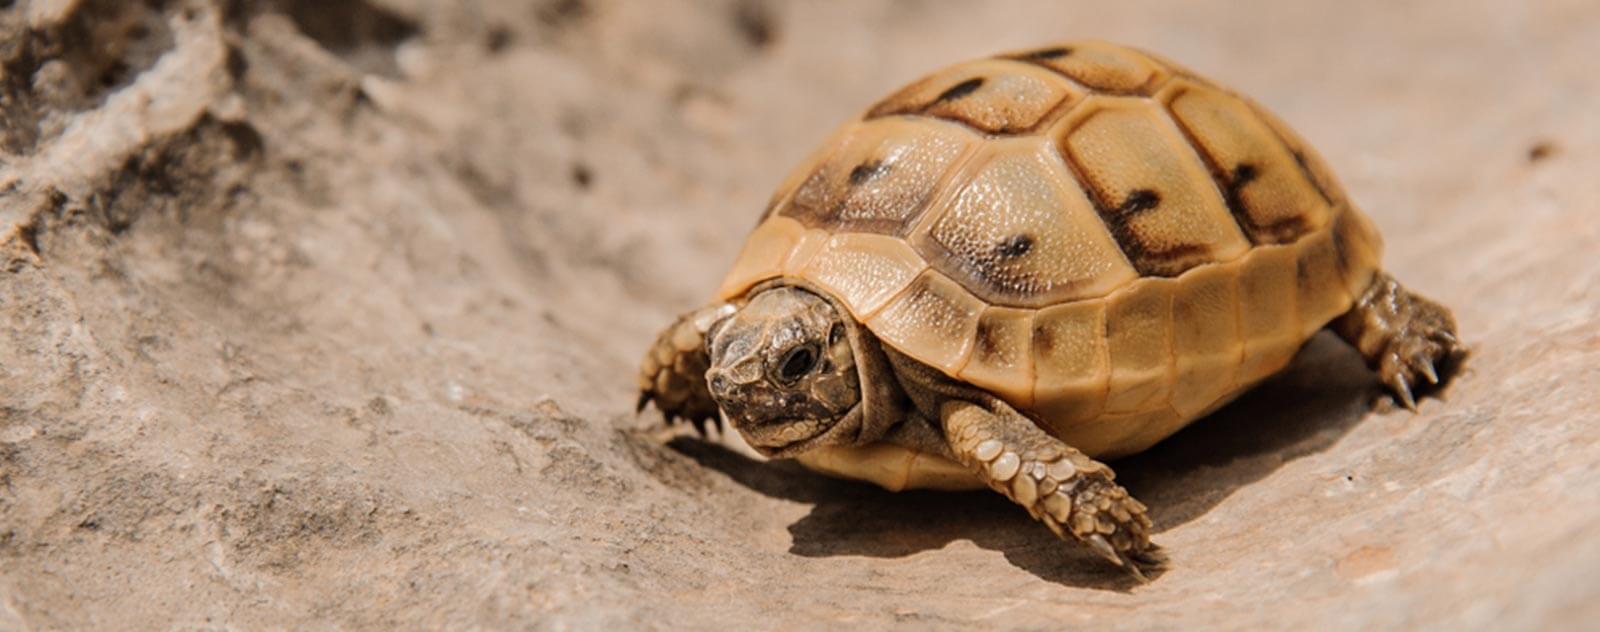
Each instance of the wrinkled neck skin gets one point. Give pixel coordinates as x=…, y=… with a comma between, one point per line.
x=793, y=371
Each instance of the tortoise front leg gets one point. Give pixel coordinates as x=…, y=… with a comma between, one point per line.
x=1065, y=489
x=673, y=372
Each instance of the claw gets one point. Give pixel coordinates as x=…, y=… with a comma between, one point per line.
x=1100, y=545
x=1126, y=562
x=1133, y=569
x=1051, y=522
x=1148, y=557
x=1428, y=372
x=1402, y=388
x=644, y=400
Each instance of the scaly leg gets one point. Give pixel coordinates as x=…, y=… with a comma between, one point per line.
x=1403, y=336
x=1066, y=490
x=673, y=372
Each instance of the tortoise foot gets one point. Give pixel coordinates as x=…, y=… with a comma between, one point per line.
x=1409, y=340
x=1072, y=494
x=673, y=372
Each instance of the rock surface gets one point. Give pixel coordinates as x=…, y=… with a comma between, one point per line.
x=326, y=313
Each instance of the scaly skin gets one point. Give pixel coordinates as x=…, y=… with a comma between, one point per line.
x=1404, y=337
x=673, y=372
x=1072, y=494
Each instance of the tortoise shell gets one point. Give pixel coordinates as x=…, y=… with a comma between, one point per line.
x=1100, y=237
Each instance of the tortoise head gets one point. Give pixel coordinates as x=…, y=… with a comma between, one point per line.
x=784, y=372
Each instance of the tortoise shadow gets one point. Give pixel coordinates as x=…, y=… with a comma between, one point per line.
x=1302, y=411
x=850, y=518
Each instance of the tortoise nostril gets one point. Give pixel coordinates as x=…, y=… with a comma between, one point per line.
x=719, y=384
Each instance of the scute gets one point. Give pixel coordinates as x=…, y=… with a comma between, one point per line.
x=1002, y=354
x=864, y=271
x=763, y=255
x=1273, y=201
x=1072, y=362
x=879, y=176
x=1139, y=338
x=1206, y=344
x=1269, y=314
x=1152, y=190
x=1103, y=239
x=1306, y=158
x=1100, y=66
x=934, y=320
x=1018, y=232
x=994, y=96
x=1320, y=287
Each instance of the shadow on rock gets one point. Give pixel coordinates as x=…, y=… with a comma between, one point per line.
x=1303, y=411
x=851, y=518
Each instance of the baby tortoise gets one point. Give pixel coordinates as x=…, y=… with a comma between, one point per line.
x=1022, y=264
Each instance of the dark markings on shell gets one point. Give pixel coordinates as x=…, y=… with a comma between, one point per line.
x=959, y=90
x=1046, y=53
x=1299, y=155
x=867, y=171
x=1302, y=276
x=1170, y=262
x=988, y=344
x=1146, y=258
x=1139, y=201
x=1283, y=231
x=1043, y=340
x=1244, y=173
x=1341, y=247
x=1016, y=246
x=1305, y=167
x=1231, y=183
x=1000, y=274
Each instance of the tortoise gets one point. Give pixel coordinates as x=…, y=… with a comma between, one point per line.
x=1020, y=265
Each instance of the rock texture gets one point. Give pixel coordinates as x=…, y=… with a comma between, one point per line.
x=327, y=313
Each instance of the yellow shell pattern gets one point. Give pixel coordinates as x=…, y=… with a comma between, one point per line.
x=1102, y=238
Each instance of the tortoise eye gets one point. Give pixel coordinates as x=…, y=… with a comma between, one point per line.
x=798, y=362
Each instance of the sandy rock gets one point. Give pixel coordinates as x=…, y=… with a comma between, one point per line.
x=327, y=313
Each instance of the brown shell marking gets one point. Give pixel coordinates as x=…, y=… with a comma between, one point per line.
x=1002, y=354
x=1019, y=233
x=1273, y=201
x=1153, y=192
x=1100, y=66
x=995, y=96
x=1072, y=360
x=880, y=176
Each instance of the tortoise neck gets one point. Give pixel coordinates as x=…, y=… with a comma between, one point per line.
x=884, y=403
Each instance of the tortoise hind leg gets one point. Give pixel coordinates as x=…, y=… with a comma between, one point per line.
x=1406, y=338
x=673, y=372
